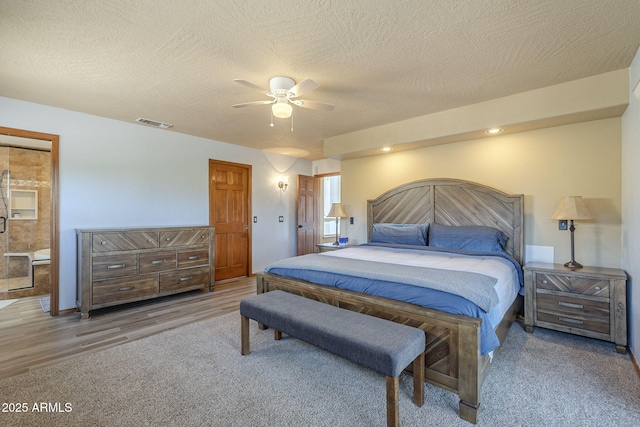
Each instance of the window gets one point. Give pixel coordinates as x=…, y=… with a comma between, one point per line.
x=331, y=194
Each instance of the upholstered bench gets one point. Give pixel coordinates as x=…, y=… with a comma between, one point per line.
x=382, y=345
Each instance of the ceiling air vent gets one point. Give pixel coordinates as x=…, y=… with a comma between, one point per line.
x=153, y=123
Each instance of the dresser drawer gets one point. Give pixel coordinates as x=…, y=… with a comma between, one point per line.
x=111, y=266
x=192, y=257
x=116, y=242
x=157, y=261
x=124, y=289
x=188, y=278
x=170, y=239
x=573, y=283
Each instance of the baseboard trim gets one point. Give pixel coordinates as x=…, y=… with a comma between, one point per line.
x=635, y=363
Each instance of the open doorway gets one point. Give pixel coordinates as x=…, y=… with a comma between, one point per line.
x=25, y=208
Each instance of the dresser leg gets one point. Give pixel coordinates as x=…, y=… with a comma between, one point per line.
x=528, y=328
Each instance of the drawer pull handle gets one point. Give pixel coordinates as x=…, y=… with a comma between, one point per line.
x=159, y=261
x=116, y=266
x=567, y=320
x=184, y=279
x=203, y=237
x=128, y=288
x=544, y=282
x=103, y=243
x=571, y=305
x=167, y=239
x=194, y=257
x=598, y=288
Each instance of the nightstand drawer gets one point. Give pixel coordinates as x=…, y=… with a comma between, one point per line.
x=573, y=283
x=566, y=305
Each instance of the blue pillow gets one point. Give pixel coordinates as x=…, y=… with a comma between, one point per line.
x=469, y=237
x=404, y=234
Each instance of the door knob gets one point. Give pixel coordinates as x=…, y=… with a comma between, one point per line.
x=299, y=226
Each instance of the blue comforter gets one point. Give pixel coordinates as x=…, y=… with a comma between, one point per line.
x=385, y=286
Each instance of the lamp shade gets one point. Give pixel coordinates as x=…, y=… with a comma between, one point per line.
x=337, y=211
x=572, y=207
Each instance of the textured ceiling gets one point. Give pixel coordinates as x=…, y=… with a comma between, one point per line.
x=378, y=61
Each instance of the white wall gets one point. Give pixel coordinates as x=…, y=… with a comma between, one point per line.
x=631, y=204
x=119, y=174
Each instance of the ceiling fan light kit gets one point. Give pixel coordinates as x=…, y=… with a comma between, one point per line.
x=282, y=109
x=283, y=90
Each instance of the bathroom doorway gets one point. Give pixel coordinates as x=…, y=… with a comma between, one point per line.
x=28, y=216
x=25, y=215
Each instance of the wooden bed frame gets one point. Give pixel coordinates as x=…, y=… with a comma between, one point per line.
x=452, y=355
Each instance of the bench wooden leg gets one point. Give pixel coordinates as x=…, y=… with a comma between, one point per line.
x=418, y=380
x=244, y=335
x=277, y=335
x=393, y=413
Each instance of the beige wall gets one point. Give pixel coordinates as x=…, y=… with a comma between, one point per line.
x=580, y=159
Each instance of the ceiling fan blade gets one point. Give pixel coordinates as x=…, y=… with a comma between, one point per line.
x=314, y=105
x=305, y=86
x=251, y=85
x=253, y=103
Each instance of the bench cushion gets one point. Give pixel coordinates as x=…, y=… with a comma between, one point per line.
x=382, y=345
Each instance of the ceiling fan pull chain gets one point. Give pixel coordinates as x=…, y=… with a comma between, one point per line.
x=292, y=121
x=271, y=119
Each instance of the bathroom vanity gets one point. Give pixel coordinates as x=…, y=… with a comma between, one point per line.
x=117, y=266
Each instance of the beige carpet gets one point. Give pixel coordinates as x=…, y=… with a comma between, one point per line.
x=195, y=376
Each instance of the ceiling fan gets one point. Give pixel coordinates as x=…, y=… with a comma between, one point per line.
x=284, y=90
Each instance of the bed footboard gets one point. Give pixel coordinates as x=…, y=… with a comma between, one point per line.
x=452, y=353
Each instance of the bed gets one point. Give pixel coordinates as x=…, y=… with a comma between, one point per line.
x=454, y=357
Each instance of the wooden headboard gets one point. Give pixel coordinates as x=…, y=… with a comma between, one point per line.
x=452, y=202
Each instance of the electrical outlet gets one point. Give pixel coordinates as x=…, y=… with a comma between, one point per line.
x=280, y=219
x=562, y=224
x=351, y=220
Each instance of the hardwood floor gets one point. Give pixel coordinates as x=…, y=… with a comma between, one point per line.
x=31, y=339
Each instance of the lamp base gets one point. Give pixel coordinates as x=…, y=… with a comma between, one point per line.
x=573, y=264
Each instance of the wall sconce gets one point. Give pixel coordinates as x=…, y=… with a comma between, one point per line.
x=570, y=208
x=283, y=183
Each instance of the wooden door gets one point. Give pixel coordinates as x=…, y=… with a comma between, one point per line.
x=229, y=212
x=307, y=213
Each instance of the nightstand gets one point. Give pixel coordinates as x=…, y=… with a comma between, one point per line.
x=327, y=247
x=591, y=301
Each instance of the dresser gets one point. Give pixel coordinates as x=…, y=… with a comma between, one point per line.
x=590, y=301
x=117, y=266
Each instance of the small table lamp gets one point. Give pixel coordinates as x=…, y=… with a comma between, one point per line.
x=337, y=211
x=570, y=208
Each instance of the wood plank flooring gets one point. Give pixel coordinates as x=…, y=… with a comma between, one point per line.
x=31, y=339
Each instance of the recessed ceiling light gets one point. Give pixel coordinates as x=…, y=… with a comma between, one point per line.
x=493, y=131
x=386, y=149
